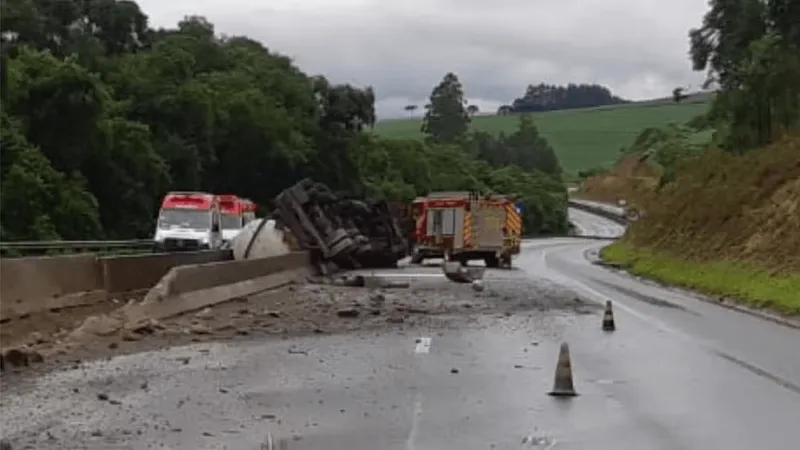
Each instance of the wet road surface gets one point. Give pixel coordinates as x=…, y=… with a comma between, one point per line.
x=587, y=224
x=678, y=373
x=618, y=210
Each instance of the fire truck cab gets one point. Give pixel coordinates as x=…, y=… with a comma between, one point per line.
x=188, y=221
x=465, y=226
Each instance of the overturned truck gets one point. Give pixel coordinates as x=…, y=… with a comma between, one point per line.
x=340, y=232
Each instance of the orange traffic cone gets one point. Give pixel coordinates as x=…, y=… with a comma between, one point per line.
x=608, y=318
x=563, y=386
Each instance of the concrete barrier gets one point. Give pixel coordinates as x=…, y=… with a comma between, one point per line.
x=194, y=278
x=137, y=272
x=30, y=285
x=193, y=287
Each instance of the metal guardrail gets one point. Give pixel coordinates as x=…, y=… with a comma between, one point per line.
x=68, y=245
x=25, y=248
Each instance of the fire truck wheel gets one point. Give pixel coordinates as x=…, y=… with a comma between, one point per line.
x=417, y=258
x=492, y=261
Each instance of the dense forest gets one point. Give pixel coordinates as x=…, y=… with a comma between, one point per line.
x=548, y=97
x=101, y=115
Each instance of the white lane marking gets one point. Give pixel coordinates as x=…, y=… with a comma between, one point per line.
x=415, y=419
x=702, y=342
x=601, y=298
x=411, y=275
x=423, y=345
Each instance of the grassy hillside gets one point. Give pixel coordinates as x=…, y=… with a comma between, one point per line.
x=729, y=225
x=582, y=138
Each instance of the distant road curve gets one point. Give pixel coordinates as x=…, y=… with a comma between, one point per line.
x=603, y=206
x=588, y=224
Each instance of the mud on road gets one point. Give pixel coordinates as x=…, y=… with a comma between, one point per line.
x=298, y=310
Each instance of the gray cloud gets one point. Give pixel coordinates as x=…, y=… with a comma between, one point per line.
x=638, y=48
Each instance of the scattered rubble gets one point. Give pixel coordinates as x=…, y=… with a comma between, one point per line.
x=333, y=304
x=19, y=357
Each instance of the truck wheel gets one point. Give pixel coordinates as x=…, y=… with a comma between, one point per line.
x=417, y=258
x=491, y=261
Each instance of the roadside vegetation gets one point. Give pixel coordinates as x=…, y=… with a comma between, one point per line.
x=720, y=194
x=744, y=282
x=101, y=115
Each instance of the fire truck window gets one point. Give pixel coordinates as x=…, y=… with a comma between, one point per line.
x=185, y=218
x=437, y=221
x=231, y=222
x=449, y=222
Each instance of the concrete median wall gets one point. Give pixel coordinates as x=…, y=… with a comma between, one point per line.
x=136, y=272
x=196, y=277
x=193, y=287
x=30, y=285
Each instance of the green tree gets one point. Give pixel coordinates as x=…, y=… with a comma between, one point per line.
x=38, y=202
x=530, y=150
x=678, y=95
x=102, y=115
x=446, y=117
x=750, y=49
x=548, y=97
x=410, y=109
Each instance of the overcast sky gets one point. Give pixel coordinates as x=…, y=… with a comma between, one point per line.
x=638, y=48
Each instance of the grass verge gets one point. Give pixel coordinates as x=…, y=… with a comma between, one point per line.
x=746, y=284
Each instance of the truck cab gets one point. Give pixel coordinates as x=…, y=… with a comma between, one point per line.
x=188, y=221
x=248, y=210
x=232, y=213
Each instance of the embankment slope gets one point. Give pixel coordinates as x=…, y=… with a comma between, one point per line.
x=729, y=225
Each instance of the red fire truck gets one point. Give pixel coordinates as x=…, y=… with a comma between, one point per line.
x=464, y=226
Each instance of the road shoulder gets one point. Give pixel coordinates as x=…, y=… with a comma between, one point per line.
x=740, y=287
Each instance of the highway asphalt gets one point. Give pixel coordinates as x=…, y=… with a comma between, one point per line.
x=679, y=373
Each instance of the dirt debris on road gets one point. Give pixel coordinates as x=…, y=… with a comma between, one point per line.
x=296, y=310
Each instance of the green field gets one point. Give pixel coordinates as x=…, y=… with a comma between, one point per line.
x=582, y=138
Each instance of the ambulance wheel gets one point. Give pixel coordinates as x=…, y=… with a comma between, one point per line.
x=492, y=262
